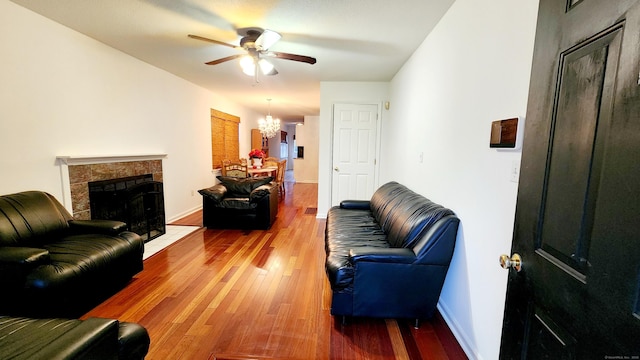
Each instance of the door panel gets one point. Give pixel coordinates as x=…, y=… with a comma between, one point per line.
x=574, y=159
x=354, y=151
x=548, y=340
x=578, y=207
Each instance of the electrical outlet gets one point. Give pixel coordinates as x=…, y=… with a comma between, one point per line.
x=421, y=157
x=193, y=192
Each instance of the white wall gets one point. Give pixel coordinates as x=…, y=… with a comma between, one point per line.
x=63, y=93
x=472, y=69
x=341, y=92
x=305, y=170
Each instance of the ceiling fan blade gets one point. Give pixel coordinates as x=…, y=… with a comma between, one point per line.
x=213, y=41
x=294, y=57
x=219, y=61
x=267, y=39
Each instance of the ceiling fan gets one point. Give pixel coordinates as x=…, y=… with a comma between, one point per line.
x=256, y=42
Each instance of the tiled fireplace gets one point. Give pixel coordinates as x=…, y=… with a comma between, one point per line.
x=78, y=172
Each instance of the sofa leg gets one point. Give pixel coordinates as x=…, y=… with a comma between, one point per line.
x=416, y=325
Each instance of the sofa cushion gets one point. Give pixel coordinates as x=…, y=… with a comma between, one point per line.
x=242, y=187
x=385, y=200
x=411, y=219
x=403, y=214
x=348, y=228
x=237, y=203
x=30, y=219
x=79, y=259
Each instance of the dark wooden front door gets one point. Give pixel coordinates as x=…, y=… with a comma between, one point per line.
x=577, y=224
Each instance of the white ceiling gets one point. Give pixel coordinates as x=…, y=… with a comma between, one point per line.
x=352, y=40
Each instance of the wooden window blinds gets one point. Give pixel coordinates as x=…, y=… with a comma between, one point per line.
x=224, y=137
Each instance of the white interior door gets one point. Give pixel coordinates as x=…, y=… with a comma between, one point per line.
x=355, y=130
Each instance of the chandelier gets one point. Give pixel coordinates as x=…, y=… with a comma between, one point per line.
x=269, y=126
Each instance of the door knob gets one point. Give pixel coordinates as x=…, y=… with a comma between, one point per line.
x=514, y=262
x=336, y=169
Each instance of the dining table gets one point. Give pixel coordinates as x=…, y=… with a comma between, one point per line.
x=262, y=171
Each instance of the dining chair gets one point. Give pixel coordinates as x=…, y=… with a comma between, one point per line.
x=270, y=161
x=282, y=167
x=234, y=169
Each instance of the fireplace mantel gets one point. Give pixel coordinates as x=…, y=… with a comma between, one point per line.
x=101, y=159
x=100, y=162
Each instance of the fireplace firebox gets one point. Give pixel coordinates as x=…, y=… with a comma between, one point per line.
x=135, y=200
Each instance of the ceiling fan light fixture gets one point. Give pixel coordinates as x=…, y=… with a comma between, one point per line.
x=248, y=65
x=267, y=39
x=256, y=42
x=266, y=67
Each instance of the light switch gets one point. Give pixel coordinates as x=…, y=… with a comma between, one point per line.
x=515, y=171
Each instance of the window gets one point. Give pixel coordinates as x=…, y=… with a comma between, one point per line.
x=224, y=137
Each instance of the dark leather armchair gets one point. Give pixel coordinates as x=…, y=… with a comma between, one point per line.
x=55, y=266
x=240, y=203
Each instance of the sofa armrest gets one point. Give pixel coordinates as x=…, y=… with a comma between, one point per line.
x=260, y=192
x=382, y=255
x=215, y=193
x=23, y=255
x=16, y=262
x=355, y=204
x=133, y=340
x=93, y=338
x=108, y=227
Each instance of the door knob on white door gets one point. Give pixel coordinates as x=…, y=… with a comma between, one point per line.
x=514, y=262
x=336, y=169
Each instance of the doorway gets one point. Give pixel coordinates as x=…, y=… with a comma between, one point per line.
x=355, y=149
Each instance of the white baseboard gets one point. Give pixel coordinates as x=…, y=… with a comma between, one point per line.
x=460, y=335
x=183, y=214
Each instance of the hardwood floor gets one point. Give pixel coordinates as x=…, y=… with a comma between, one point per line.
x=261, y=294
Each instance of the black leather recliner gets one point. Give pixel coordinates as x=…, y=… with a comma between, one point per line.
x=54, y=266
x=388, y=257
x=240, y=203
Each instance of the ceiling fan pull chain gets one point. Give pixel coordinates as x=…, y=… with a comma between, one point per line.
x=256, y=72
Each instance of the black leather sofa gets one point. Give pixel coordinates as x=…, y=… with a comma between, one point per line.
x=54, y=266
x=240, y=203
x=93, y=338
x=388, y=257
